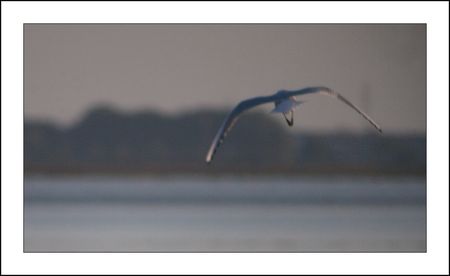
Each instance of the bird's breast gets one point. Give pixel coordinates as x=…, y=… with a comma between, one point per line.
x=283, y=106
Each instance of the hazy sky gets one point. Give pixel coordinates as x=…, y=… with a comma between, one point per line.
x=172, y=68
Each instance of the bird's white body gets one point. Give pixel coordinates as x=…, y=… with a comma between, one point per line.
x=286, y=106
x=285, y=103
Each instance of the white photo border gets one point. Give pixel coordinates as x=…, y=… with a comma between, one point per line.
x=434, y=14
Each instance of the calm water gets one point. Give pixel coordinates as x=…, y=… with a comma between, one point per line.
x=246, y=214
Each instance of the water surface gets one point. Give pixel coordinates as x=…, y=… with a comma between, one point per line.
x=224, y=214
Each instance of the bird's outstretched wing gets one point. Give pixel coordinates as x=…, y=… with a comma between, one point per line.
x=231, y=119
x=328, y=91
x=245, y=105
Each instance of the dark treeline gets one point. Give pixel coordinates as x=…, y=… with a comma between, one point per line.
x=106, y=140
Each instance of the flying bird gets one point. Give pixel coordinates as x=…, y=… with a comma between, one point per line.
x=285, y=103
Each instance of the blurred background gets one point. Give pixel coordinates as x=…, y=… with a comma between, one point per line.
x=118, y=120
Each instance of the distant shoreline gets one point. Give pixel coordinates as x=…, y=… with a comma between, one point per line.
x=108, y=141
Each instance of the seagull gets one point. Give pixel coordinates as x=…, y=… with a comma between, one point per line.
x=285, y=103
